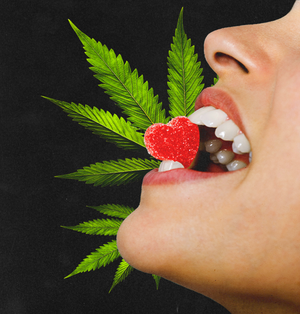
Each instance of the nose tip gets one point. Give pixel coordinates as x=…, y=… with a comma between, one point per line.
x=224, y=53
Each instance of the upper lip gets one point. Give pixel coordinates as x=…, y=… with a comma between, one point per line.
x=219, y=99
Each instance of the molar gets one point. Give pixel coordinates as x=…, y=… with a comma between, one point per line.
x=235, y=165
x=212, y=146
x=226, y=130
x=225, y=156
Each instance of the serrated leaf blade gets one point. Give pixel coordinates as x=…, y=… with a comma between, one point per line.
x=125, y=88
x=123, y=270
x=184, y=73
x=107, y=227
x=111, y=173
x=114, y=210
x=216, y=79
x=109, y=127
x=157, y=280
x=104, y=255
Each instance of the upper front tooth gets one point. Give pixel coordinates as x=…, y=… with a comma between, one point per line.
x=214, y=118
x=227, y=131
x=196, y=116
x=241, y=143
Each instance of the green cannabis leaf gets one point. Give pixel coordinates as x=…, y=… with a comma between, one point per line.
x=184, y=73
x=157, y=280
x=114, y=210
x=123, y=270
x=106, y=227
x=131, y=93
x=216, y=79
x=111, y=128
x=103, y=256
x=113, y=172
x=125, y=87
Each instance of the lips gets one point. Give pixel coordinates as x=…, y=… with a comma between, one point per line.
x=220, y=100
x=223, y=112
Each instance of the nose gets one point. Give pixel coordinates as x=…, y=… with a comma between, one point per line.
x=242, y=50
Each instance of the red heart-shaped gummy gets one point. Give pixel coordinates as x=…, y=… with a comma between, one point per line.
x=178, y=140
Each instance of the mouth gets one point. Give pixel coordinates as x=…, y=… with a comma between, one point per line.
x=224, y=146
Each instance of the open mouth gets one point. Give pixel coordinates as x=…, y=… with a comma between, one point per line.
x=223, y=147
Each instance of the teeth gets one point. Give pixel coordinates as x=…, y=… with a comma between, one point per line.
x=214, y=158
x=250, y=156
x=213, y=146
x=235, y=150
x=167, y=165
x=196, y=116
x=241, y=143
x=225, y=156
x=214, y=118
x=227, y=131
x=236, y=165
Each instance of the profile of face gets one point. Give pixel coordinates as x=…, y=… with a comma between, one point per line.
x=234, y=236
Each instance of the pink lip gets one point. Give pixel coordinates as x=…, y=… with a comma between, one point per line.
x=177, y=176
x=219, y=99
x=210, y=96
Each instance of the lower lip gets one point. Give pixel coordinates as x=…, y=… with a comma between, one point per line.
x=177, y=176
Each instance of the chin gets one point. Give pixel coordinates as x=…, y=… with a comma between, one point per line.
x=170, y=216
x=134, y=244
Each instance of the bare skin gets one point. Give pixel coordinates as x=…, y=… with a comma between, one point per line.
x=236, y=238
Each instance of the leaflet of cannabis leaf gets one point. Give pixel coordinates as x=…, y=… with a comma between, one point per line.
x=132, y=95
x=184, y=73
x=126, y=88
x=110, y=127
x=108, y=252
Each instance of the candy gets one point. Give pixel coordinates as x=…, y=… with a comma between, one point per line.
x=178, y=140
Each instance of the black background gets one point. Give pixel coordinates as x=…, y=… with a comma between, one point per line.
x=41, y=55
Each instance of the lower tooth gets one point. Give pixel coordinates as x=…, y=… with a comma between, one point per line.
x=225, y=156
x=213, y=146
x=236, y=165
x=214, y=158
x=167, y=165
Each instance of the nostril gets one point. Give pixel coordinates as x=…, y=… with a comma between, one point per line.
x=226, y=60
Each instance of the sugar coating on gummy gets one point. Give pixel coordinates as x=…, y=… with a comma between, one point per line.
x=178, y=140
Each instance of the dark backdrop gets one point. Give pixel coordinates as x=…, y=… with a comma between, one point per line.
x=41, y=55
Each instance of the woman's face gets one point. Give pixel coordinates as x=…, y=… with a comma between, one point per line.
x=234, y=234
